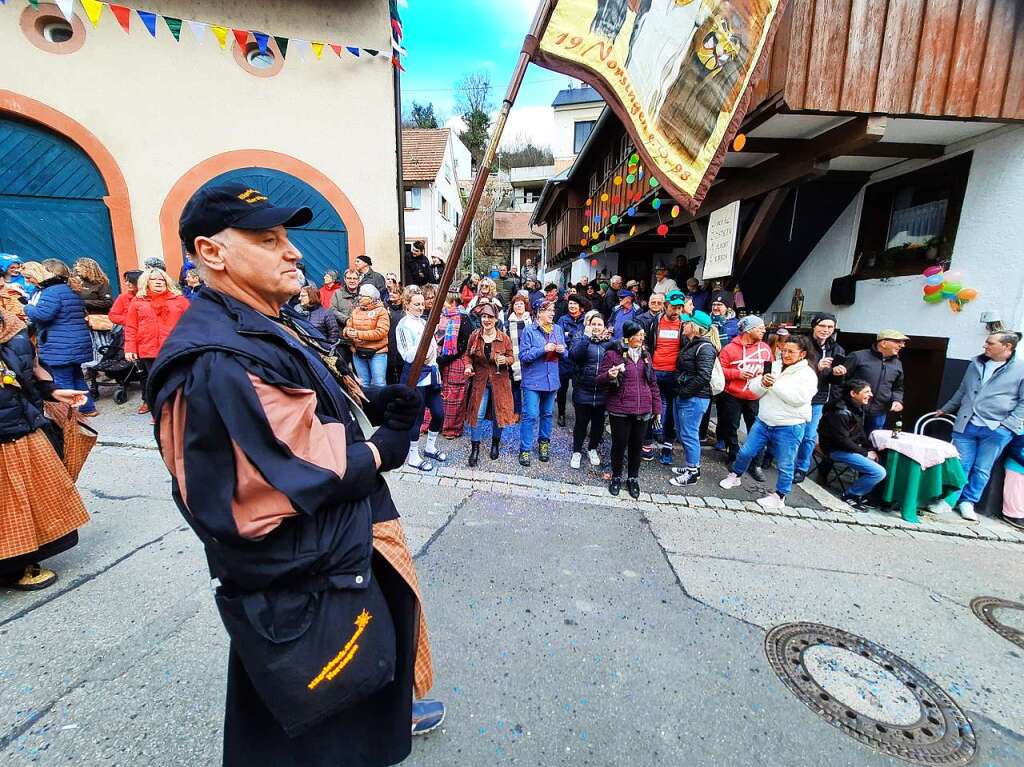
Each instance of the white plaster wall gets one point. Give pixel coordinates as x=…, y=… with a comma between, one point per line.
x=988, y=251
x=566, y=118
x=161, y=107
x=420, y=223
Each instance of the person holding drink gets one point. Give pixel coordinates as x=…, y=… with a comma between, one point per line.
x=830, y=370
x=488, y=366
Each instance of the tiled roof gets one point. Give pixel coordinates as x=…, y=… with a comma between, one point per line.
x=423, y=153
x=514, y=225
x=582, y=95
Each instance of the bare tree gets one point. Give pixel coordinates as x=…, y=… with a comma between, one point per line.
x=473, y=104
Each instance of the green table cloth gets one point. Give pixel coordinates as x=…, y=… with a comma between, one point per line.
x=911, y=487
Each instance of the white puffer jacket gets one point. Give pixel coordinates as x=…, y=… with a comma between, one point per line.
x=788, y=401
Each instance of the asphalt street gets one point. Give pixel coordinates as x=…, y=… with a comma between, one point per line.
x=565, y=631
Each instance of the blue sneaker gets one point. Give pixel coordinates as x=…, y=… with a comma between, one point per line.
x=720, y=445
x=427, y=715
x=666, y=456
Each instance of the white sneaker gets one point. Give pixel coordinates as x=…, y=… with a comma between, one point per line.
x=576, y=461
x=772, y=501
x=733, y=480
x=940, y=508
x=966, y=509
x=595, y=459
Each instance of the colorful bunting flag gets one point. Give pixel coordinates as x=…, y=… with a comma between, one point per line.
x=261, y=40
x=371, y=51
x=241, y=37
x=67, y=7
x=302, y=46
x=93, y=9
x=354, y=51
x=318, y=49
x=149, y=20
x=198, y=30
x=221, y=33
x=123, y=14
x=397, y=64
x=174, y=25
x=282, y=45
x=336, y=49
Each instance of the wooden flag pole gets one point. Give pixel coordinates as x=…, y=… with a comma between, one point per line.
x=540, y=21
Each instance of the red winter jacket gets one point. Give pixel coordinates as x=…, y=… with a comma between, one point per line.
x=150, y=321
x=119, y=311
x=736, y=357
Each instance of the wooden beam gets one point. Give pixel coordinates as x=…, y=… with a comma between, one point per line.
x=878, y=149
x=756, y=234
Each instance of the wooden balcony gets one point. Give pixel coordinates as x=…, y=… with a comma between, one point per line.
x=564, y=236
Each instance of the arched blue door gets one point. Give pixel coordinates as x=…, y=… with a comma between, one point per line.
x=51, y=199
x=323, y=241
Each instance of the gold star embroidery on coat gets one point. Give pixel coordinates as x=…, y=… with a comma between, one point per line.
x=339, y=661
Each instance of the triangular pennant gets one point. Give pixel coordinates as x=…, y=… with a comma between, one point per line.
x=149, y=19
x=371, y=51
x=174, y=25
x=123, y=14
x=241, y=37
x=397, y=63
x=282, y=45
x=396, y=29
x=67, y=7
x=302, y=46
x=261, y=40
x=318, y=49
x=336, y=49
x=354, y=51
x=221, y=33
x=93, y=9
x=34, y=4
x=198, y=29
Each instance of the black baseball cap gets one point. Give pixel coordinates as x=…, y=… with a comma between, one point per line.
x=215, y=208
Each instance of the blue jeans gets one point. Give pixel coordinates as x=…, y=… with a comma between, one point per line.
x=689, y=412
x=806, y=449
x=433, y=402
x=475, y=432
x=784, y=441
x=667, y=386
x=371, y=372
x=869, y=473
x=874, y=422
x=537, y=405
x=979, y=448
x=70, y=377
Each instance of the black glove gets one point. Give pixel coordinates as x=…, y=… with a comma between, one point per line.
x=395, y=406
x=393, y=446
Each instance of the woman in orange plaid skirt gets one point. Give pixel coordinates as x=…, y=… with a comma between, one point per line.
x=40, y=510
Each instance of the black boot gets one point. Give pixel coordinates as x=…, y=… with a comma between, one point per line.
x=633, y=485
x=615, y=486
x=474, y=453
x=495, y=443
x=561, y=419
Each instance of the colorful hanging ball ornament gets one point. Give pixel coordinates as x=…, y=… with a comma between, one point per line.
x=634, y=158
x=615, y=219
x=662, y=229
x=631, y=211
x=594, y=262
x=932, y=270
x=617, y=181
x=586, y=228
x=630, y=178
x=590, y=201
x=597, y=216
x=616, y=199
x=632, y=230
x=612, y=238
x=588, y=212
x=653, y=182
x=583, y=242
x=675, y=211
x=656, y=204
x=739, y=142
x=594, y=248
x=604, y=197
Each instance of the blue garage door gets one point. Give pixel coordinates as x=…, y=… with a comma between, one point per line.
x=324, y=241
x=51, y=199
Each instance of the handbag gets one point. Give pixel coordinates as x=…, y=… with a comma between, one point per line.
x=77, y=438
x=99, y=323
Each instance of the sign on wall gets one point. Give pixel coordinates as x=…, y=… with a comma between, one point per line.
x=722, y=226
x=676, y=72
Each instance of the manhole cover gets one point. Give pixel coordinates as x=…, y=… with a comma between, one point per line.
x=870, y=694
x=995, y=613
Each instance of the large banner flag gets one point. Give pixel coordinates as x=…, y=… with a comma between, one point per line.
x=678, y=73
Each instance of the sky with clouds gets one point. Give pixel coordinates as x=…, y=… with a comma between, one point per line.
x=449, y=38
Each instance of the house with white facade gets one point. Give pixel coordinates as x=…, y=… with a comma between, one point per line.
x=576, y=112
x=433, y=161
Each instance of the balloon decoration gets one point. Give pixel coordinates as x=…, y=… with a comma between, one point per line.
x=739, y=142
x=663, y=229
x=948, y=286
x=656, y=204
x=617, y=181
x=630, y=178
x=631, y=211
x=675, y=211
x=634, y=158
x=583, y=242
x=594, y=262
x=653, y=182
x=586, y=228
x=604, y=197
x=590, y=201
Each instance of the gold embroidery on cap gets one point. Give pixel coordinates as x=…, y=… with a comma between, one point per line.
x=339, y=661
x=251, y=196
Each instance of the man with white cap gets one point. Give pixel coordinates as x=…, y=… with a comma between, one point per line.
x=663, y=283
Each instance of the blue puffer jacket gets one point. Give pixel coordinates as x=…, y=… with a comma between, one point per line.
x=586, y=354
x=21, y=407
x=59, y=317
x=571, y=328
x=539, y=372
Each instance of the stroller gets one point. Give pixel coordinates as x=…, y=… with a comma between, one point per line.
x=110, y=368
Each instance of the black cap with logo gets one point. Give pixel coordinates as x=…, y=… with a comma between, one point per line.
x=225, y=206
